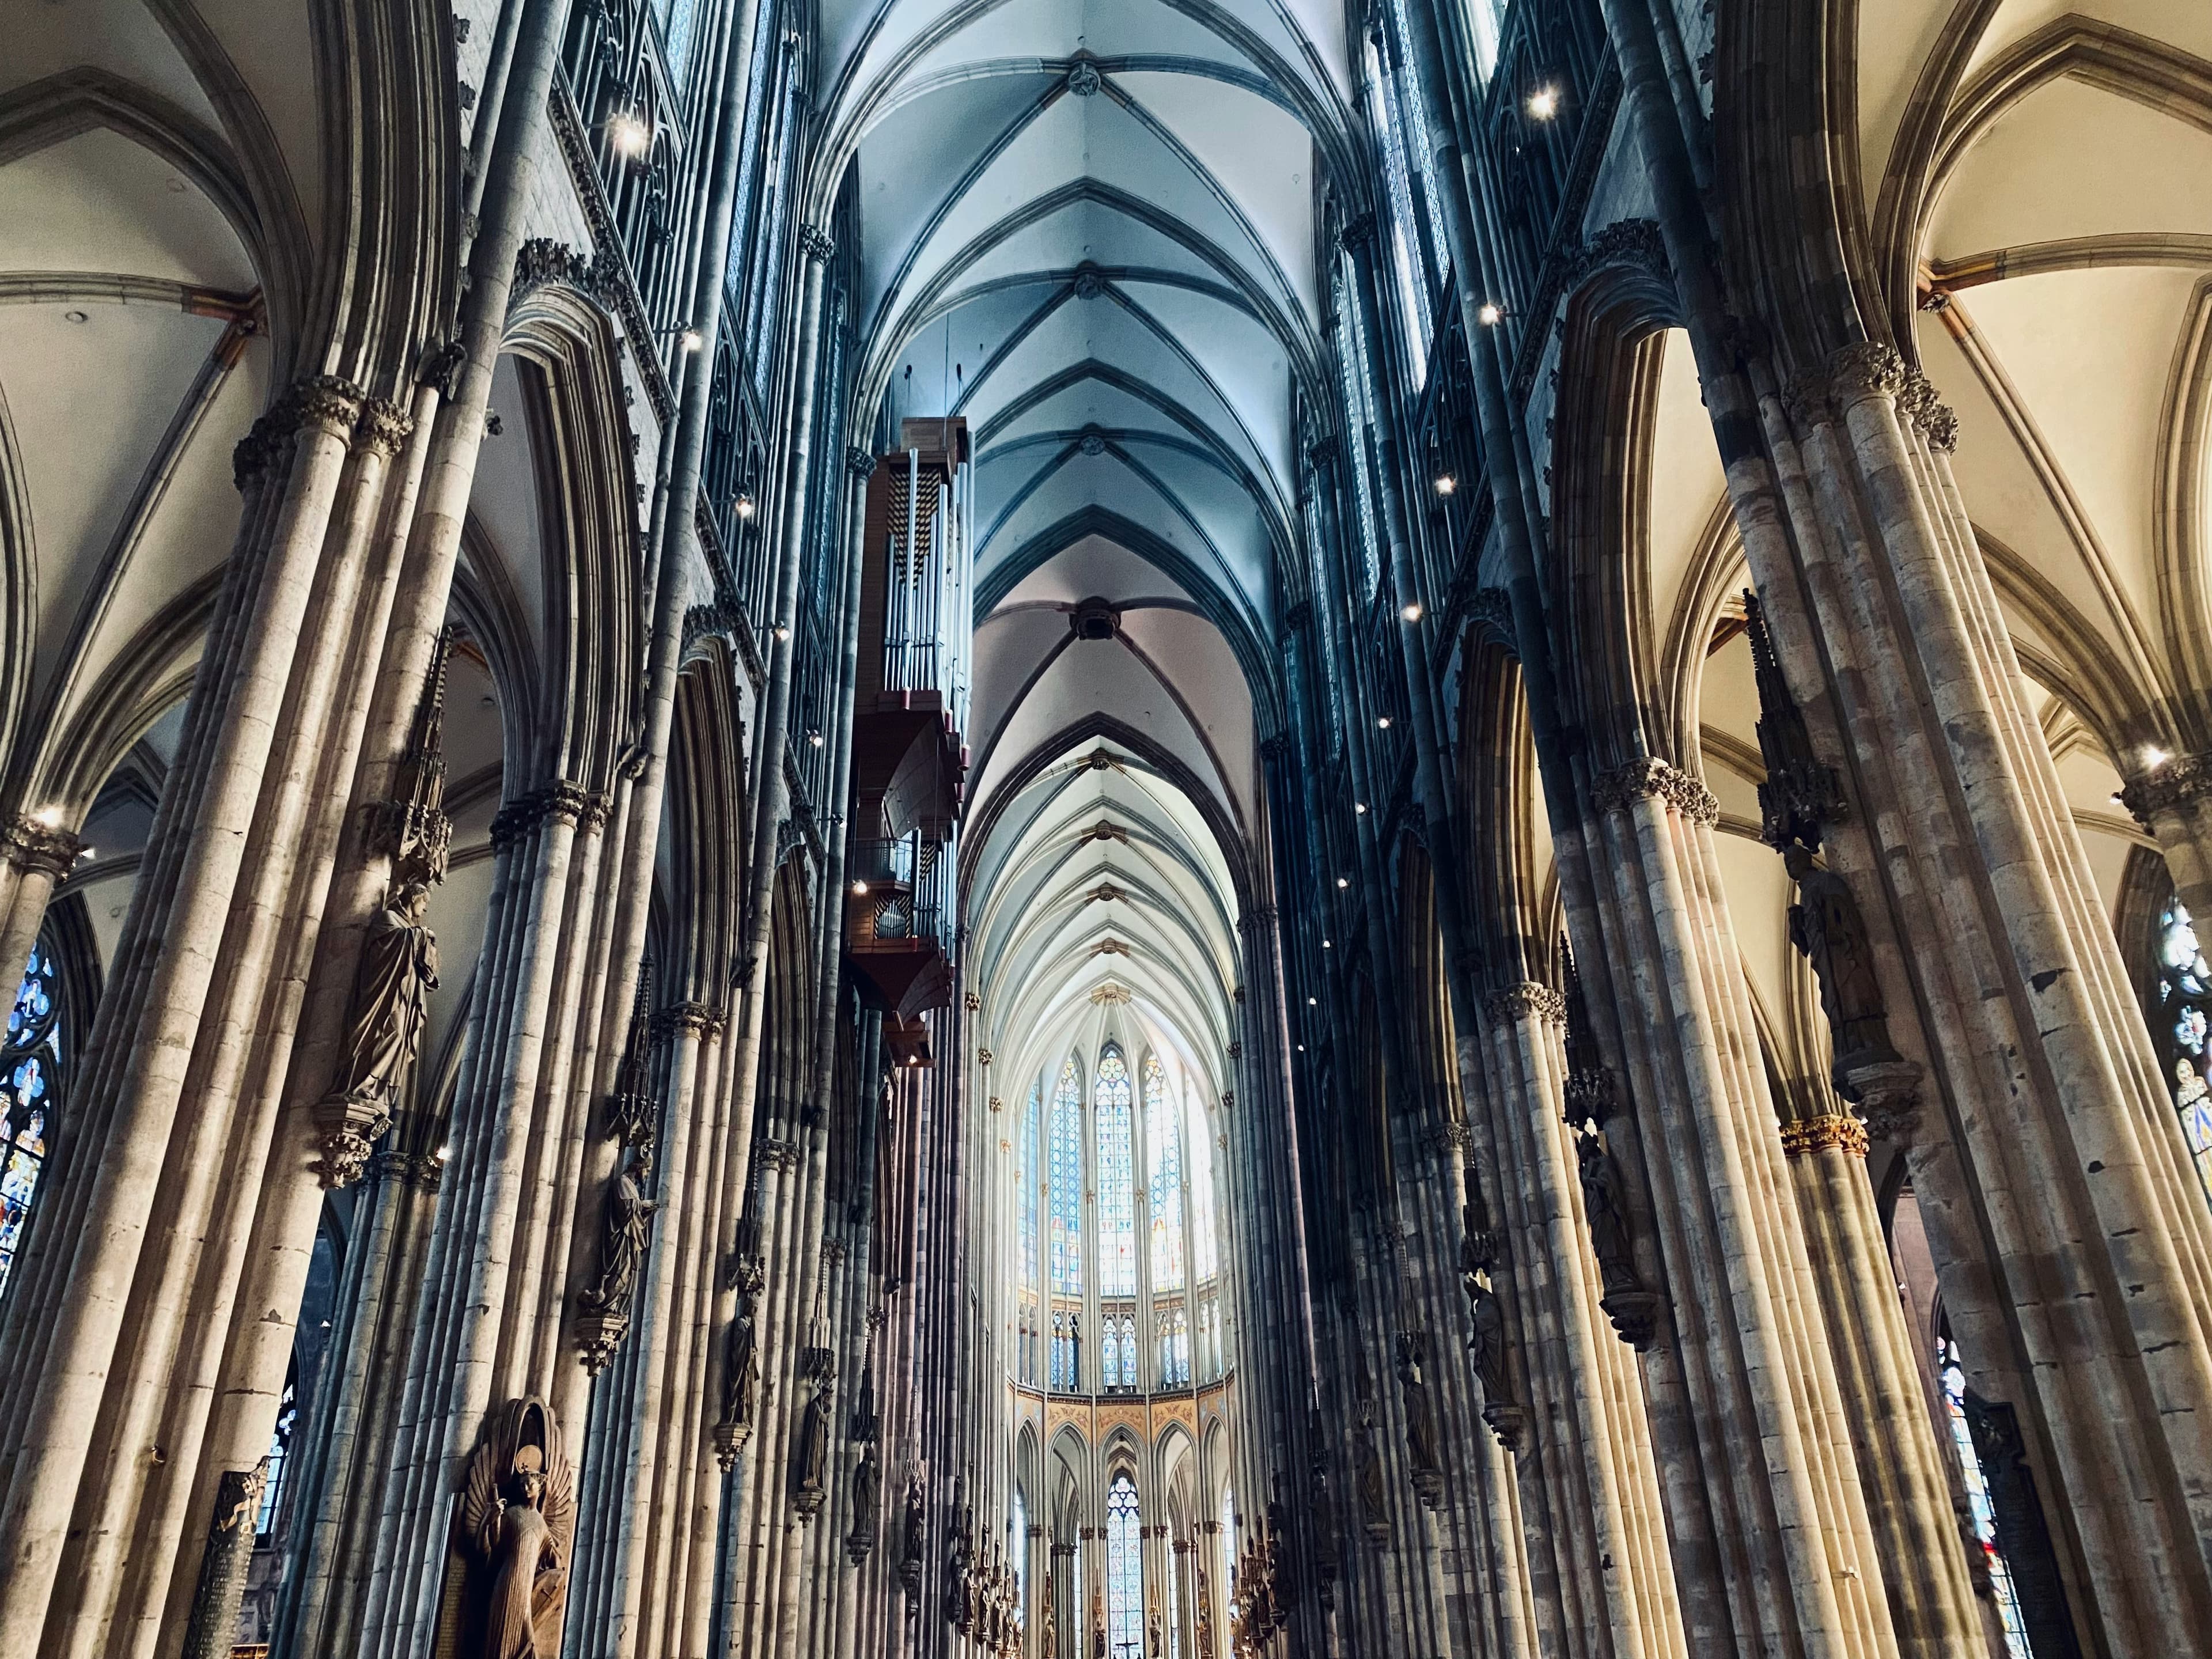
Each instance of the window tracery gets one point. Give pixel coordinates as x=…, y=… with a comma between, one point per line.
x=1117, y=1221
x=1067, y=1183
x=1125, y=1576
x=1981, y=1510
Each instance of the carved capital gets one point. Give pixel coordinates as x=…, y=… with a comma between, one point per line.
x=2184, y=780
x=1867, y=369
x=1619, y=789
x=859, y=463
x=1807, y=402
x=41, y=848
x=1356, y=233
x=697, y=1017
x=348, y=1142
x=815, y=243
x=1819, y=1134
x=328, y=402
x=1527, y=1000
x=383, y=426
x=1887, y=1094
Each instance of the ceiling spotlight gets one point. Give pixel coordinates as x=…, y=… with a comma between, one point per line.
x=628, y=134
x=2154, y=757
x=1491, y=314
x=1313, y=1002
x=1328, y=944
x=744, y=505
x=84, y=852
x=445, y=1154
x=783, y=630
x=860, y=890
x=1544, y=103
x=1446, y=483
x=1360, y=807
x=815, y=737
x=693, y=339
x=1413, y=611
x=1301, y=1048
x=1344, y=881
x=1384, y=721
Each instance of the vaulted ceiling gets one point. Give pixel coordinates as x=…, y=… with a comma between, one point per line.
x=1090, y=228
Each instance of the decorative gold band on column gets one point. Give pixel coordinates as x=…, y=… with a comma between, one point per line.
x=1817, y=1135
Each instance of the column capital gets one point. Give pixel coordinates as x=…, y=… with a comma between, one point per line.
x=1528, y=999
x=1867, y=369
x=31, y=844
x=1817, y=1134
x=815, y=243
x=859, y=463
x=2182, y=781
x=1620, y=788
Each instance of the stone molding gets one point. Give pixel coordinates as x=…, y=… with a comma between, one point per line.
x=1924, y=407
x=1356, y=233
x=859, y=463
x=815, y=243
x=1637, y=243
x=41, y=848
x=418, y=1170
x=1619, y=789
x=1526, y=1001
x=1083, y=80
x=1819, y=1134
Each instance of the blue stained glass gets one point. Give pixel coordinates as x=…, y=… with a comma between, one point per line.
x=1983, y=1512
x=1067, y=1183
x=2184, y=978
x=29, y=1079
x=1205, y=1251
x=1125, y=1572
x=1163, y=1147
x=1117, y=1203
x=1109, y=1353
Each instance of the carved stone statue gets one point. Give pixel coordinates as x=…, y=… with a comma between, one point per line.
x=956, y=1569
x=1097, y=1627
x=1487, y=1349
x=1421, y=1437
x=813, y=1462
x=1608, y=1211
x=390, y=1001
x=1367, y=1476
x=1154, y=1648
x=1049, y=1638
x=628, y=1225
x=867, y=1496
x=1825, y=925
x=913, y=1537
x=516, y=1522
x=741, y=1382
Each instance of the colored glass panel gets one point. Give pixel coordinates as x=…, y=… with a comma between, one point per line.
x=1163, y=1149
x=1067, y=1204
x=1117, y=1201
x=1125, y=1572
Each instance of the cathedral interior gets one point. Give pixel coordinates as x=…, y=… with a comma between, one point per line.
x=1106, y=828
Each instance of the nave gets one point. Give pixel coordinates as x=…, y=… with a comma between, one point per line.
x=1106, y=828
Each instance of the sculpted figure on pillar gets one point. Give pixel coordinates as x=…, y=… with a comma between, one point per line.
x=516, y=1522
x=956, y=1567
x=867, y=1487
x=391, y=1003
x=1486, y=1347
x=1367, y=1471
x=1049, y=1638
x=628, y=1224
x=912, y=1539
x=1632, y=1309
x=1825, y=925
x=813, y=1464
x=1421, y=1438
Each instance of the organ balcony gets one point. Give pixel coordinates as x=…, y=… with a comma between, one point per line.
x=899, y=916
x=917, y=592
x=909, y=714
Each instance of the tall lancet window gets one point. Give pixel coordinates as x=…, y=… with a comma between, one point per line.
x=1067, y=1183
x=1117, y=1202
x=1029, y=1185
x=30, y=1085
x=1018, y=1553
x=1205, y=1251
x=2185, y=991
x=1125, y=1573
x=1163, y=1147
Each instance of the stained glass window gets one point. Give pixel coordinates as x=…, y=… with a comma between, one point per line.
x=1228, y=1539
x=2185, y=990
x=1063, y=1350
x=1204, y=1253
x=1028, y=1177
x=280, y=1455
x=1163, y=1149
x=1404, y=237
x=1175, y=1615
x=1125, y=1572
x=1128, y=1351
x=1117, y=1202
x=1983, y=1512
x=1067, y=1183
x=30, y=1081
x=1109, y=1353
